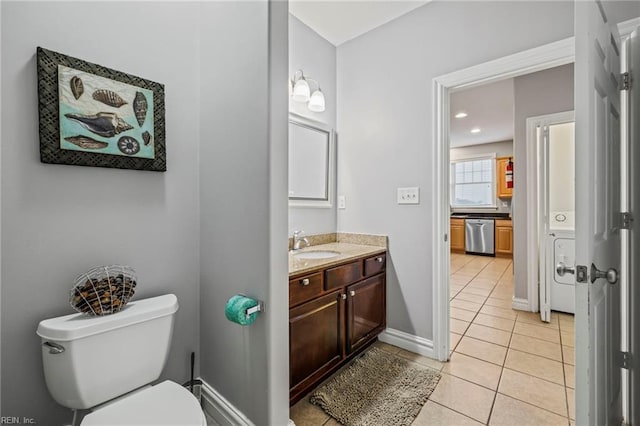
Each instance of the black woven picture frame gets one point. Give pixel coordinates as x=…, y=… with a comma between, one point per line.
x=49, y=120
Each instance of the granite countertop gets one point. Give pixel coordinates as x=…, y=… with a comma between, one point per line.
x=348, y=251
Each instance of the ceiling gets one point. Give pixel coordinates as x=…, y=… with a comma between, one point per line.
x=339, y=20
x=489, y=107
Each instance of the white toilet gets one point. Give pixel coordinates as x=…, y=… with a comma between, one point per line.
x=107, y=363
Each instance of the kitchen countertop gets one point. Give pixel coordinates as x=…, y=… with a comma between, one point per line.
x=347, y=252
x=477, y=216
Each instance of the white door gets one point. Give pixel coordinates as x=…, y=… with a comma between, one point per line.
x=597, y=103
x=555, y=150
x=630, y=311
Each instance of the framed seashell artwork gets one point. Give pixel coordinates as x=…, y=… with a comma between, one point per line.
x=90, y=115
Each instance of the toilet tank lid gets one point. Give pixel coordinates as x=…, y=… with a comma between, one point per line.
x=77, y=326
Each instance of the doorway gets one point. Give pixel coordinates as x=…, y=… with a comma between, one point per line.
x=551, y=176
x=537, y=59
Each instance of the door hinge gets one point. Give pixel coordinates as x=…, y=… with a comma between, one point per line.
x=625, y=360
x=545, y=132
x=626, y=220
x=581, y=274
x=625, y=81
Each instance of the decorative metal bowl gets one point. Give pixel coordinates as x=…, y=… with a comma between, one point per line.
x=103, y=290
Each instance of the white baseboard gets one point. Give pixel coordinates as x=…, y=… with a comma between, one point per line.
x=219, y=409
x=409, y=342
x=520, y=304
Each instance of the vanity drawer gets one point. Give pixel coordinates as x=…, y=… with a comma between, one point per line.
x=375, y=264
x=305, y=288
x=343, y=275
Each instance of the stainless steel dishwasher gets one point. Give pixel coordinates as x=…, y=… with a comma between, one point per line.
x=479, y=236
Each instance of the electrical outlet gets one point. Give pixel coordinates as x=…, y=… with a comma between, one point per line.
x=342, y=202
x=409, y=195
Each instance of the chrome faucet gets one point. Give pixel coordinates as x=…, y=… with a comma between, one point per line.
x=298, y=238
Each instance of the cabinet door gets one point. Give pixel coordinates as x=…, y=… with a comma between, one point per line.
x=504, y=240
x=501, y=169
x=457, y=237
x=315, y=339
x=366, y=311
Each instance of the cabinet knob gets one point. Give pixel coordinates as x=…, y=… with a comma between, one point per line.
x=304, y=281
x=379, y=259
x=352, y=293
x=344, y=296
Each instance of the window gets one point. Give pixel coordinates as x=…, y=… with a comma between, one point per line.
x=473, y=183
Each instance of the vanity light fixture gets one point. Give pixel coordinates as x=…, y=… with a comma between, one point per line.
x=316, y=102
x=300, y=91
x=475, y=130
x=461, y=114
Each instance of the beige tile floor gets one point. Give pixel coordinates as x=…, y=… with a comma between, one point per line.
x=506, y=367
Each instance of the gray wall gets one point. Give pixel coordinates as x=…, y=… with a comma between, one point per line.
x=500, y=149
x=243, y=203
x=540, y=93
x=58, y=221
x=317, y=58
x=385, y=116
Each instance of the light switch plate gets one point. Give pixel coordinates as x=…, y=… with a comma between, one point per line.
x=342, y=202
x=409, y=195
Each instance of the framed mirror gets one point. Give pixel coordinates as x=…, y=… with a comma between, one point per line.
x=311, y=163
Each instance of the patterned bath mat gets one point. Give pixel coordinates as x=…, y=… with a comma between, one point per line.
x=377, y=389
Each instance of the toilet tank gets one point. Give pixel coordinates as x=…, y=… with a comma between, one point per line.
x=108, y=356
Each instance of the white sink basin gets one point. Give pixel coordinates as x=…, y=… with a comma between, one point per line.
x=316, y=254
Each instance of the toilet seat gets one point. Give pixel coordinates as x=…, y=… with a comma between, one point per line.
x=165, y=404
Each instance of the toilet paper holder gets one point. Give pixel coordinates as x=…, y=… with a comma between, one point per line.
x=258, y=308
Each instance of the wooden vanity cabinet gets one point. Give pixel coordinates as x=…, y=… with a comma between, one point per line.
x=334, y=313
x=316, y=339
x=366, y=311
x=457, y=235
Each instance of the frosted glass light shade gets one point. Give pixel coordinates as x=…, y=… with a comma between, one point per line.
x=301, y=91
x=316, y=103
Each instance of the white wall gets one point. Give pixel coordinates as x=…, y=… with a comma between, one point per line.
x=540, y=93
x=562, y=168
x=58, y=221
x=243, y=202
x=500, y=149
x=384, y=119
x=317, y=58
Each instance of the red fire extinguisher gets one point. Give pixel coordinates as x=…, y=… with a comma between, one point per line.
x=509, y=174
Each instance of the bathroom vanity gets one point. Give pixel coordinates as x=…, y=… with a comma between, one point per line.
x=337, y=307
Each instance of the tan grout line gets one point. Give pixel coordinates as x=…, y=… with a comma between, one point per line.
x=535, y=377
x=455, y=411
x=564, y=376
x=533, y=405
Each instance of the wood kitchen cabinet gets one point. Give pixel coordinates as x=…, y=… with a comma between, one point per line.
x=501, y=169
x=334, y=314
x=504, y=238
x=457, y=235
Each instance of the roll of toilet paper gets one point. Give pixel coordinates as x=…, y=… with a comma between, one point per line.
x=236, y=310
